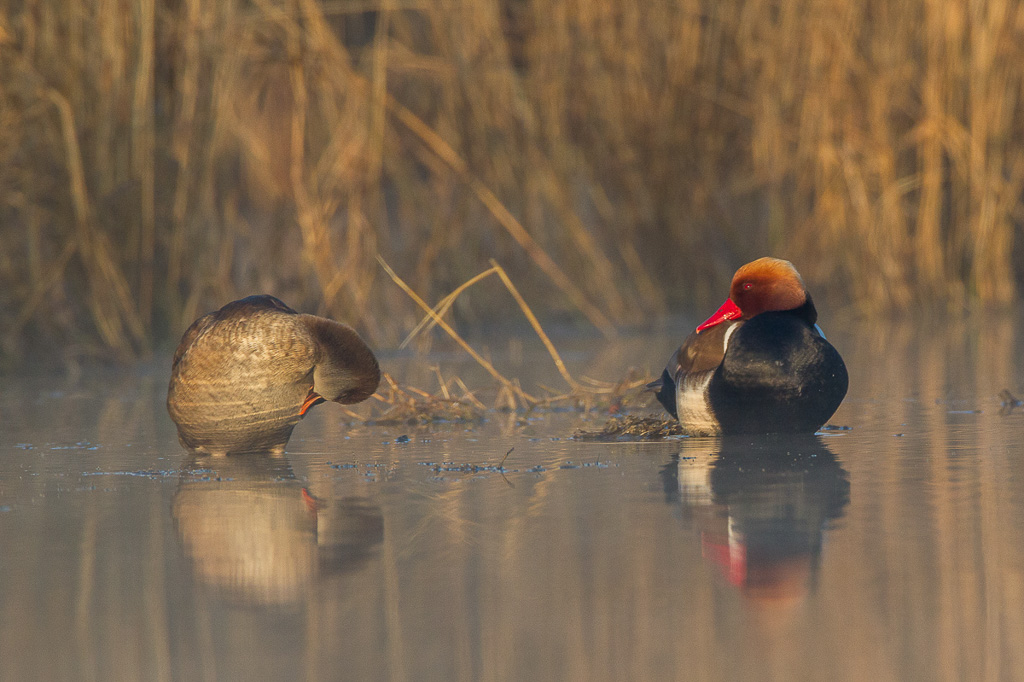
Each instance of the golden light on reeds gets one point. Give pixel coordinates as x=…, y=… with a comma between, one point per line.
x=511, y=394
x=158, y=159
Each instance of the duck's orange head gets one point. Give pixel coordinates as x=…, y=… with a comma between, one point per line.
x=766, y=284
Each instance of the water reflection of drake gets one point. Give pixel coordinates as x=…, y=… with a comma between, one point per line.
x=257, y=535
x=762, y=508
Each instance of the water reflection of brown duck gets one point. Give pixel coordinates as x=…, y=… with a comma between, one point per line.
x=256, y=534
x=760, y=364
x=767, y=507
x=243, y=376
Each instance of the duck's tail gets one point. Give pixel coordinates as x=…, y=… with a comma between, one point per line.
x=664, y=390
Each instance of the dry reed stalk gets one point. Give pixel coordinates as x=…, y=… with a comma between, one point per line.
x=989, y=83
x=109, y=297
x=507, y=385
x=646, y=151
x=437, y=313
x=604, y=271
x=42, y=286
x=143, y=152
x=535, y=323
x=312, y=224
x=468, y=394
x=503, y=216
x=930, y=259
x=511, y=395
x=441, y=382
x=443, y=306
x=378, y=94
x=638, y=271
x=183, y=138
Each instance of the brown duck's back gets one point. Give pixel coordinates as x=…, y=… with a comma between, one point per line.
x=238, y=378
x=241, y=374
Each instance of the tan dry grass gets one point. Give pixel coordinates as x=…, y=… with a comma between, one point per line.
x=413, y=405
x=619, y=159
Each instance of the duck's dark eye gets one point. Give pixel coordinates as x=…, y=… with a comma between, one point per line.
x=747, y=286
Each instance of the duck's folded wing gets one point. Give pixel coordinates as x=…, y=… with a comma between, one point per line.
x=704, y=351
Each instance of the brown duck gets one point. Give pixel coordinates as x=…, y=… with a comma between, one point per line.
x=243, y=376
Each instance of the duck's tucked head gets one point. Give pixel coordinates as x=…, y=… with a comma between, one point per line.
x=766, y=284
x=346, y=370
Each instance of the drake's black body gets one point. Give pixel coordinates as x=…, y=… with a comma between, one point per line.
x=779, y=375
x=773, y=373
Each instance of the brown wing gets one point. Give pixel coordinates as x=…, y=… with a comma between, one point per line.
x=701, y=352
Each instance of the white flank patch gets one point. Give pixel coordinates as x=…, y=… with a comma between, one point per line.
x=691, y=396
x=692, y=403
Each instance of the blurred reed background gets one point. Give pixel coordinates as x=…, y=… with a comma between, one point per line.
x=161, y=157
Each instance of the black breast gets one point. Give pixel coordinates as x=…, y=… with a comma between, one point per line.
x=778, y=375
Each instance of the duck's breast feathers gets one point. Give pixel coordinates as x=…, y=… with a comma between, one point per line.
x=346, y=370
x=783, y=351
x=779, y=375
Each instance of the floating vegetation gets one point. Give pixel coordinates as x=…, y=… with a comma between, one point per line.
x=632, y=427
x=398, y=404
x=144, y=473
x=452, y=467
x=408, y=405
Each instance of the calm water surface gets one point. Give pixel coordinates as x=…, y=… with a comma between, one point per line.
x=889, y=550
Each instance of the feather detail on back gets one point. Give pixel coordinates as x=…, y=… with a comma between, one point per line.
x=243, y=376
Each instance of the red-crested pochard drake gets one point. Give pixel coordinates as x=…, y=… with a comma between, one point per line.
x=243, y=376
x=760, y=364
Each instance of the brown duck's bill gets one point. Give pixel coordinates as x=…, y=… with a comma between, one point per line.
x=728, y=311
x=309, y=501
x=312, y=399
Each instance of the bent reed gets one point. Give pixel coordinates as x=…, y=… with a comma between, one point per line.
x=619, y=159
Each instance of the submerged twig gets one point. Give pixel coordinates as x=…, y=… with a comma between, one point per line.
x=1009, y=402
